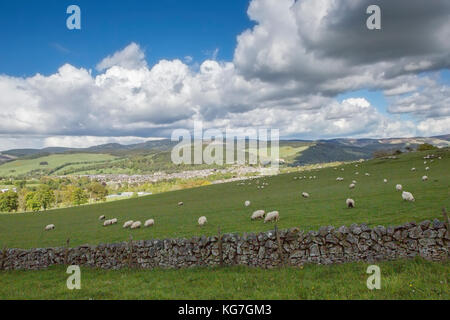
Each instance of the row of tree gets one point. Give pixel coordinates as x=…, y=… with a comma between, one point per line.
x=52, y=193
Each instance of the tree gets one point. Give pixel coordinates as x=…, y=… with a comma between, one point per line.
x=97, y=191
x=9, y=201
x=426, y=147
x=46, y=196
x=79, y=196
x=32, y=201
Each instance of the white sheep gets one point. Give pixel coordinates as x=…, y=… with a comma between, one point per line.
x=149, y=223
x=202, y=221
x=407, y=196
x=413, y=169
x=352, y=186
x=107, y=223
x=128, y=224
x=258, y=214
x=101, y=218
x=350, y=203
x=180, y=203
x=50, y=227
x=274, y=215
x=399, y=187
x=339, y=179
x=367, y=174
x=356, y=172
x=305, y=194
x=385, y=180
x=427, y=168
x=247, y=203
x=424, y=178
x=354, y=181
x=114, y=221
x=136, y=225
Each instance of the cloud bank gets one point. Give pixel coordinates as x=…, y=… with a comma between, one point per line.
x=286, y=73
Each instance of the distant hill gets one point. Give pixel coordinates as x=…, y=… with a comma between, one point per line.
x=355, y=149
x=294, y=152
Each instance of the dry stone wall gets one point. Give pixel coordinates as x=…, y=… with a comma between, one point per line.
x=328, y=245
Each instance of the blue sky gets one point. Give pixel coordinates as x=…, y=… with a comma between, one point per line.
x=37, y=39
x=255, y=63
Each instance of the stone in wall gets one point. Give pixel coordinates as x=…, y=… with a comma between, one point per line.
x=328, y=245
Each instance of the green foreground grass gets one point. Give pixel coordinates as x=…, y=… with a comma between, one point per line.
x=407, y=279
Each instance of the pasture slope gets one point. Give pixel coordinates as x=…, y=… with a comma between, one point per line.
x=27, y=166
x=376, y=203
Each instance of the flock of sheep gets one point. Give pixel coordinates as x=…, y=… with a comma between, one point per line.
x=261, y=214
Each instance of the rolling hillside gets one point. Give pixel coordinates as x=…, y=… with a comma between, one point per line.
x=52, y=163
x=152, y=156
x=376, y=203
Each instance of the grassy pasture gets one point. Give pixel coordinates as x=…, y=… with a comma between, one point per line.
x=407, y=279
x=25, y=166
x=376, y=203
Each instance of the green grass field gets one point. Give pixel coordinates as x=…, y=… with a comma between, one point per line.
x=223, y=205
x=376, y=203
x=409, y=279
x=25, y=166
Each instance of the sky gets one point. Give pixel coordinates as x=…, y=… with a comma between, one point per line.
x=139, y=70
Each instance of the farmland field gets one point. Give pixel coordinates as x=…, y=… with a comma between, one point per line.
x=26, y=166
x=376, y=203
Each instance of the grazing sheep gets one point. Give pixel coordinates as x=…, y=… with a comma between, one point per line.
x=149, y=223
x=407, y=196
x=339, y=179
x=50, y=227
x=367, y=174
x=114, y=221
x=424, y=178
x=101, y=218
x=136, y=225
x=128, y=224
x=274, y=215
x=398, y=187
x=354, y=181
x=424, y=162
x=247, y=203
x=305, y=195
x=259, y=214
x=413, y=169
x=385, y=180
x=350, y=203
x=427, y=168
x=202, y=221
x=107, y=223
x=356, y=172
x=352, y=186
x=180, y=203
